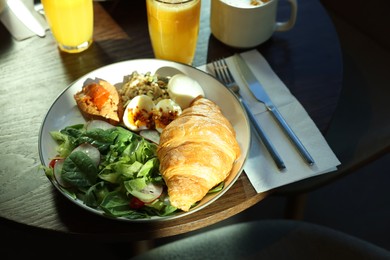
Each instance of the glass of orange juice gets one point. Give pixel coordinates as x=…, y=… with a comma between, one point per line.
x=71, y=22
x=173, y=28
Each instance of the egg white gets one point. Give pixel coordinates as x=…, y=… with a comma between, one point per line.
x=138, y=114
x=183, y=90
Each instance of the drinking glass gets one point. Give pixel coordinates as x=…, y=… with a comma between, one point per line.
x=173, y=28
x=71, y=22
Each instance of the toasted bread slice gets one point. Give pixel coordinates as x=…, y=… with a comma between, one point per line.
x=100, y=101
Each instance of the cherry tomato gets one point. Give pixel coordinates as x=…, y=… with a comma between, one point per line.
x=53, y=162
x=136, y=203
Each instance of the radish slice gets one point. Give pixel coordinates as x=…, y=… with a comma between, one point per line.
x=98, y=124
x=57, y=173
x=149, y=193
x=151, y=135
x=91, y=151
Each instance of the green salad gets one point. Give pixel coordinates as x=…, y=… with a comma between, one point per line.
x=110, y=169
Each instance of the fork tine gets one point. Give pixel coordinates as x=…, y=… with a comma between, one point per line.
x=223, y=70
x=217, y=71
x=227, y=71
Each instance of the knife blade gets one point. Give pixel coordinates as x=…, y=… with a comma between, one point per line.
x=261, y=95
x=26, y=17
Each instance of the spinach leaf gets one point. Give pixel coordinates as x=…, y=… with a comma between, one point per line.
x=79, y=170
x=116, y=204
x=74, y=131
x=95, y=194
x=101, y=139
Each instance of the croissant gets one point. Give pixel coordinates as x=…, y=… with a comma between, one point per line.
x=197, y=152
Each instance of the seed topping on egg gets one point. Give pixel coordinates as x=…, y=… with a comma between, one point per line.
x=165, y=112
x=141, y=117
x=139, y=113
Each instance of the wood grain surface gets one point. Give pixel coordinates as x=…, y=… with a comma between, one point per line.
x=34, y=72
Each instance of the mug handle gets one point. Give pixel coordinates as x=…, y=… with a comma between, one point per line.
x=285, y=26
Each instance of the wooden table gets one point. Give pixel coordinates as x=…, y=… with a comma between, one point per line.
x=33, y=72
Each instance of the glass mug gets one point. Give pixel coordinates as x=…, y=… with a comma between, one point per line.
x=71, y=22
x=173, y=28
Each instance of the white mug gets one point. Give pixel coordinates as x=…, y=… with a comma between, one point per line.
x=240, y=24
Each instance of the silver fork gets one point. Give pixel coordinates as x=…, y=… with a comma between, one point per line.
x=222, y=73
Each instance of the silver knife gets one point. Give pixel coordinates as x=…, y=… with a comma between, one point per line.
x=26, y=17
x=260, y=94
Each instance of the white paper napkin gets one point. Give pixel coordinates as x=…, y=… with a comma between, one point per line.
x=259, y=167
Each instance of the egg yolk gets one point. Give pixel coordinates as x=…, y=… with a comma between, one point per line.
x=163, y=118
x=140, y=117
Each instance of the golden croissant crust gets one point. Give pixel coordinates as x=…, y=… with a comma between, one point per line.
x=196, y=152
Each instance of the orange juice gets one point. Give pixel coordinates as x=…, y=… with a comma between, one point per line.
x=173, y=28
x=71, y=22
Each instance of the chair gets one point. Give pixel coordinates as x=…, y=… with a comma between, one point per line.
x=360, y=130
x=268, y=239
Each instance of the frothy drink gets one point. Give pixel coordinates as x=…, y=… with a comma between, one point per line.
x=245, y=3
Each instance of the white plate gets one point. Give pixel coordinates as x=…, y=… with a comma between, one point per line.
x=64, y=112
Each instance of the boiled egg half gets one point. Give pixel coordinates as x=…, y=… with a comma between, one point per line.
x=138, y=114
x=183, y=90
x=165, y=112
